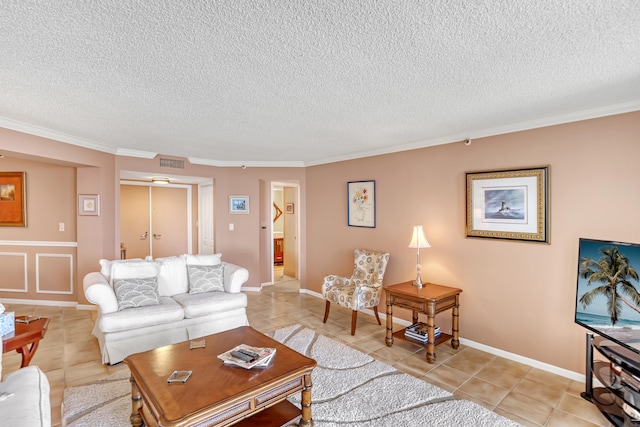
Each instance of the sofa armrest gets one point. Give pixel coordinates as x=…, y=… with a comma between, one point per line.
x=98, y=291
x=234, y=277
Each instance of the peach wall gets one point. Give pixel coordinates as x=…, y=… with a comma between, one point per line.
x=517, y=296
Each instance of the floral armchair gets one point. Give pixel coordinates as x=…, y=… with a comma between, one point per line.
x=361, y=290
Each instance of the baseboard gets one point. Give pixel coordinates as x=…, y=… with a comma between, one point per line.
x=491, y=350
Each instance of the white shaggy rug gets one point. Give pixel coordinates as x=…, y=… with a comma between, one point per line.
x=349, y=387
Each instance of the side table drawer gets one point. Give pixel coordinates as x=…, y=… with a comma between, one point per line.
x=409, y=304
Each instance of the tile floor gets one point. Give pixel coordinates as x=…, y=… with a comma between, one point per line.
x=69, y=355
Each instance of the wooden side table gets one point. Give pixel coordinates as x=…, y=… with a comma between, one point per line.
x=26, y=338
x=431, y=299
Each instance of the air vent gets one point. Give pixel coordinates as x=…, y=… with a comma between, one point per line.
x=171, y=163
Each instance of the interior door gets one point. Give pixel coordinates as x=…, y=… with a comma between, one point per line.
x=135, y=226
x=169, y=221
x=154, y=220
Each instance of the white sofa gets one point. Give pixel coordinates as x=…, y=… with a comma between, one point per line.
x=178, y=313
x=30, y=404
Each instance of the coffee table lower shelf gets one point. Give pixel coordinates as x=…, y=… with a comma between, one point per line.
x=442, y=338
x=281, y=414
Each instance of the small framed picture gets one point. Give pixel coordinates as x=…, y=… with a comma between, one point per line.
x=89, y=204
x=239, y=204
x=362, y=203
x=288, y=208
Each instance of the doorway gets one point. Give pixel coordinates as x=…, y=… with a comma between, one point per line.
x=284, y=233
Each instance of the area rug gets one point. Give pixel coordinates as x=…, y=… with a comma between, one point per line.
x=349, y=387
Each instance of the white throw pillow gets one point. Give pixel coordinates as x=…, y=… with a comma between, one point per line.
x=131, y=293
x=208, y=259
x=206, y=278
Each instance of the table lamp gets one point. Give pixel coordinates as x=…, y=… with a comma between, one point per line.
x=418, y=241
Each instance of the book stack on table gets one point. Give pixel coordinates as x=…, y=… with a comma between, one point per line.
x=418, y=332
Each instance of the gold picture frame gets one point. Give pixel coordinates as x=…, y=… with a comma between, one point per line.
x=509, y=204
x=13, y=199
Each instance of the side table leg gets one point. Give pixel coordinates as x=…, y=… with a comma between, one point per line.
x=389, y=337
x=455, y=319
x=431, y=338
x=306, y=420
x=136, y=404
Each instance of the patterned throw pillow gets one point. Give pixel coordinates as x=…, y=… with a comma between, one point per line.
x=136, y=292
x=206, y=278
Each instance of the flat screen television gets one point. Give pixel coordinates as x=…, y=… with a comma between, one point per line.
x=608, y=290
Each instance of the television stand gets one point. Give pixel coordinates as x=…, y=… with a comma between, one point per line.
x=619, y=399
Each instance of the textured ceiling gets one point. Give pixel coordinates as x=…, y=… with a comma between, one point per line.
x=292, y=83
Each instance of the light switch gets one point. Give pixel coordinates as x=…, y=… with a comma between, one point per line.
x=231, y=226
x=61, y=226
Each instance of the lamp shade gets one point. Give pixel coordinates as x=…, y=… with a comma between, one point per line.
x=417, y=239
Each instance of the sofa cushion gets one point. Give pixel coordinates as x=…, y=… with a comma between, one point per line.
x=203, y=304
x=206, y=278
x=168, y=311
x=202, y=259
x=172, y=276
x=131, y=293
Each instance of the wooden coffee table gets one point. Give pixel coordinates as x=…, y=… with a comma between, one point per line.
x=26, y=338
x=216, y=394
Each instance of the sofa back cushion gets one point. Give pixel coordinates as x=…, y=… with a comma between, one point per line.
x=202, y=259
x=133, y=270
x=172, y=276
x=106, y=266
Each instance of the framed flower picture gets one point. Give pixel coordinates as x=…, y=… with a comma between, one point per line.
x=362, y=203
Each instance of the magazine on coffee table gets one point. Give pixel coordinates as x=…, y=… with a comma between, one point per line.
x=248, y=357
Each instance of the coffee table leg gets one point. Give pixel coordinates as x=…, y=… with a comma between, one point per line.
x=306, y=420
x=27, y=353
x=136, y=404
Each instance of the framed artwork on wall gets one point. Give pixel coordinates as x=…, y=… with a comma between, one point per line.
x=509, y=204
x=362, y=203
x=89, y=204
x=239, y=204
x=13, y=199
x=288, y=207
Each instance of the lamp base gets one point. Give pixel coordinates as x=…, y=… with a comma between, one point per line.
x=418, y=283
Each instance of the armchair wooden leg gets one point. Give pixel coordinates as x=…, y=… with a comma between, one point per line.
x=354, y=316
x=326, y=311
x=375, y=310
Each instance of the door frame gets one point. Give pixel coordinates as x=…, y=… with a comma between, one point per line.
x=296, y=186
x=189, y=209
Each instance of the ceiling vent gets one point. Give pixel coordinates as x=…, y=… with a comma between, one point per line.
x=171, y=163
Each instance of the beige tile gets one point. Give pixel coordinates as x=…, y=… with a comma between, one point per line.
x=526, y=408
x=448, y=375
x=581, y=408
x=549, y=394
x=484, y=391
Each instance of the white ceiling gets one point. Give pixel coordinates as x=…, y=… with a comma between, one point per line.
x=304, y=82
